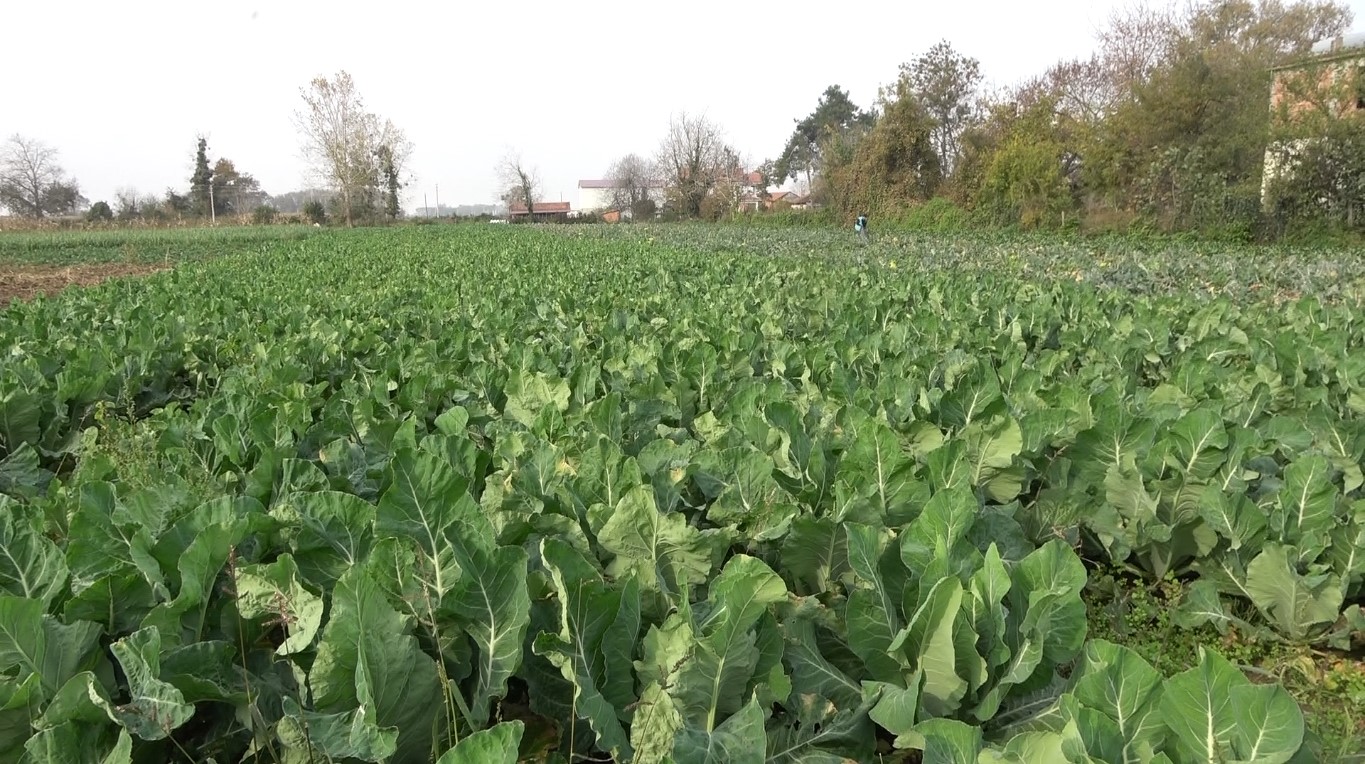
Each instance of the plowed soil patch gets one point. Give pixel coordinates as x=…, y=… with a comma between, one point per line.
x=23, y=282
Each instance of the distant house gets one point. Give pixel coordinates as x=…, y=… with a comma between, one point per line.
x=540, y=212
x=1329, y=83
x=599, y=195
x=753, y=201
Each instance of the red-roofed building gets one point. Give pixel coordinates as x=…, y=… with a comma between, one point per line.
x=542, y=211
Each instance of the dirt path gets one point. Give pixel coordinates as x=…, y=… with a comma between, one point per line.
x=23, y=282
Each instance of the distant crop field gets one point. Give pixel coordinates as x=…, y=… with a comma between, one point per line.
x=152, y=245
x=682, y=493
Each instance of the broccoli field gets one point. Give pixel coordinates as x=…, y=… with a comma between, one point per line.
x=677, y=494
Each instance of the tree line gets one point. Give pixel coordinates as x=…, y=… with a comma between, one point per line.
x=357, y=158
x=694, y=173
x=1168, y=125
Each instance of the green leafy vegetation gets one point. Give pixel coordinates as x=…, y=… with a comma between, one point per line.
x=687, y=494
x=151, y=245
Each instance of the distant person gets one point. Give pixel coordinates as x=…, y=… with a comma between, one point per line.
x=860, y=227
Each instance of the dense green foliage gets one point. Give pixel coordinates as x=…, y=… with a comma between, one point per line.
x=146, y=245
x=1167, y=124
x=677, y=494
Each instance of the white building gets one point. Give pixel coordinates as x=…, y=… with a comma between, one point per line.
x=596, y=195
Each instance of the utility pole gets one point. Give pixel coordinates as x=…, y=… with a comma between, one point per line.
x=213, y=206
x=424, y=204
x=438, y=200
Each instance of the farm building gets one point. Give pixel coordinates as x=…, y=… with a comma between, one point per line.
x=1328, y=84
x=540, y=212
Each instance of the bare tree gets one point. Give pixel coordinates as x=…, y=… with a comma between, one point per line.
x=132, y=204
x=32, y=184
x=632, y=177
x=520, y=181
x=343, y=143
x=1135, y=41
x=693, y=158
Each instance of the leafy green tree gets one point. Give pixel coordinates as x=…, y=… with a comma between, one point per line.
x=835, y=112
x=946, y=83
x=201, y=180
x=99, y=212
x=234, y=192
x=893, y=166
x=1025, y=182
x=176, y=204
x=1188, y=146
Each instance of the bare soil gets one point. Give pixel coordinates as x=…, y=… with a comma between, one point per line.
x=24, y=282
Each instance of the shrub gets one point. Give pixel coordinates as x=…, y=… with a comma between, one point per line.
x=315, y=212
x=937, y=214
x=99, y=212
x=263, y=215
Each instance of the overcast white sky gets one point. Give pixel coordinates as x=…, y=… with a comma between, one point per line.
x=121, y=89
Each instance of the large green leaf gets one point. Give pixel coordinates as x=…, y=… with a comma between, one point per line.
x=877, y=476
x=275, y=590
x=660, y=548
x=492, y=605
x=928, y=642
x=992, y=448
x=19, y=707
x=1117, y=682
x=1046, y=595
x=1306, y=511
x=1296, y=605
x=872, y=613
x=31, y=565
x=530, y=394
x=595, y=620
x=819, y=731
x=425, y=501
x=811, y=671
x=711, y=684
x=655, y=726
x=154, y=709
x=335, y=532
x=814, y=553
x=934, y=541
x=99, y=547
x=367, y=643
x=1198, y=440
x=1215, y=714
x=739, y=740
x=345, y=735
x=184, y=619
x=946, y=741
x=34, y=644
x=496, y=745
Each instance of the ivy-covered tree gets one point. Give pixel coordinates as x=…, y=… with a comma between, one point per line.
x=201, y=180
